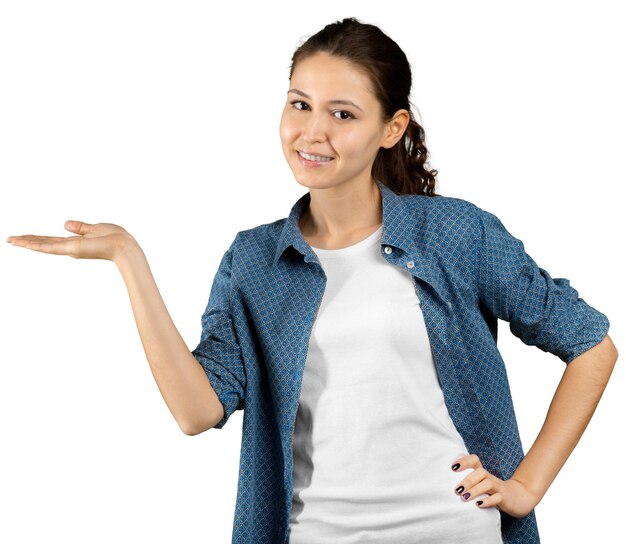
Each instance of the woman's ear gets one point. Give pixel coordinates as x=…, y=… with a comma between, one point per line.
x=395, y=128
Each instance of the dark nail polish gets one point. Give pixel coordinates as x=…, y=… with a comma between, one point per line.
x=466, y=496
x=479, y=502
x=460, y=489
x=456, y=466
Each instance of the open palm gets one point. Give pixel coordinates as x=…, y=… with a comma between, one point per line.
x=92, y=241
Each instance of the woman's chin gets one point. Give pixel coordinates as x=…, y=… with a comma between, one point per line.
x=312, y=183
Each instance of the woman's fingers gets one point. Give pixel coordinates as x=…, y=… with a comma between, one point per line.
x=37, y=238
x=46, y=244
x=92, y=241
x=510, y=496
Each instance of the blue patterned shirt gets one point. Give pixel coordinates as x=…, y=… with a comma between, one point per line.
x=468, y=272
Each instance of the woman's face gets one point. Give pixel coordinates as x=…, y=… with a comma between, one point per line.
x=331, y=127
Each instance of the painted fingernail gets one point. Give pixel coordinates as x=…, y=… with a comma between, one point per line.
x=478, y=503
x=460, y=489
x=456, y=466
x=466, y=496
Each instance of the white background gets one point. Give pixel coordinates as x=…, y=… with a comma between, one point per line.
x=163, y=117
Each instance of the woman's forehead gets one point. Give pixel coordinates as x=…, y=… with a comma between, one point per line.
x=326, y=77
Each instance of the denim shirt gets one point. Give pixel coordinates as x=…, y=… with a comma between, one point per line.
x=468, y=272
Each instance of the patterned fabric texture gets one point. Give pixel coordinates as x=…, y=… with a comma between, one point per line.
x=468, y=272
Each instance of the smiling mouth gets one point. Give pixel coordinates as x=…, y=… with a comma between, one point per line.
x=314, y=158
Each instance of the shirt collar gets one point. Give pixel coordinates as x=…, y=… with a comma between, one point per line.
x=395, y=219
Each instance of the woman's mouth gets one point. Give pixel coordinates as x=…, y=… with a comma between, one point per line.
x=311, y=159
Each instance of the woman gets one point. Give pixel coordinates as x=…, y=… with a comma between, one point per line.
x=372, y=394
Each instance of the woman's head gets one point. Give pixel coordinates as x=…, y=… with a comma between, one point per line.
x=361, y=60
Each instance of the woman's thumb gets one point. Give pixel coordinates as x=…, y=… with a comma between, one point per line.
x=77, y=226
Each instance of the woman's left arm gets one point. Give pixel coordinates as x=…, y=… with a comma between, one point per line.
x=548, y=313
x=570, y=411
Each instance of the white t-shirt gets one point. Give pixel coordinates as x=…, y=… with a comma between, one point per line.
x=373, y=440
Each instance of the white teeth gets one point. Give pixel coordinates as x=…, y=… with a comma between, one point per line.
x=318, y=158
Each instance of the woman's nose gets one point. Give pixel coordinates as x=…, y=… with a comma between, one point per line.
x=315, y=129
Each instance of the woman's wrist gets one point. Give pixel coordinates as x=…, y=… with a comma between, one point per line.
x=127, y=252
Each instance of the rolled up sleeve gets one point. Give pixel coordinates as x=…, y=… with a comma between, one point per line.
x=219, y=351
x=542, y=311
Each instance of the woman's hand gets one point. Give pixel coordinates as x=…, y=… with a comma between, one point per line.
x=93, y=241
x=510, y=496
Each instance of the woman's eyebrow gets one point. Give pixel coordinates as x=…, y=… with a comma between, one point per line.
x=337, y=101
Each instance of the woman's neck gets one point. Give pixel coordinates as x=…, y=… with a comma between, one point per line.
x=337, y=216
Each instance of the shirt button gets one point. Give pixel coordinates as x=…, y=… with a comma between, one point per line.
x=410, y=264
x=388, y=250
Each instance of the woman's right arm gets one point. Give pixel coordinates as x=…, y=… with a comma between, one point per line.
x=181, y=379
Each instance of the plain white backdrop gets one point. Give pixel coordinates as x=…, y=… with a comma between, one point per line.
x=163, y=117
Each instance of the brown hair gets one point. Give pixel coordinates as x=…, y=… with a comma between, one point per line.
x=402, y=167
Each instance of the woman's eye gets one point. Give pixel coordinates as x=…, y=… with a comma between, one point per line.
x=343, y=115
x=299, y=105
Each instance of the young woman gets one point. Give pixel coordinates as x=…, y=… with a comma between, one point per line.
x=359, y=333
